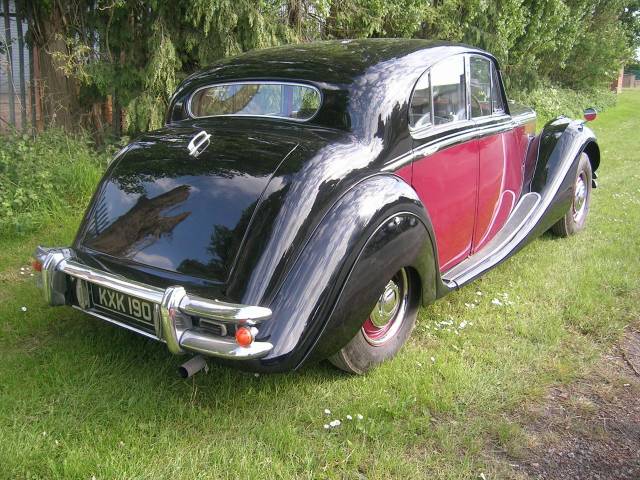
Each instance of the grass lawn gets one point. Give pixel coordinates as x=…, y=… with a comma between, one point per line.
x=82, y=399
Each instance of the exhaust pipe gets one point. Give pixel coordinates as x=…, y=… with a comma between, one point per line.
x=192, y=366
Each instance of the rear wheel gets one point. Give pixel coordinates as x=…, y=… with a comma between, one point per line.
x=387, y=328
x=576, y=218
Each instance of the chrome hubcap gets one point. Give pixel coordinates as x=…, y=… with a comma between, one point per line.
x=387, y=305
x=580, y=198
x=388, y=313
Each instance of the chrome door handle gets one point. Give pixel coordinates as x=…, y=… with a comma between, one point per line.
x=199, y=143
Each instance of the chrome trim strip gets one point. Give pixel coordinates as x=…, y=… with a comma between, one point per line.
x=524, y=118
x=251, y=82
x=398, y=162
x=461, y=137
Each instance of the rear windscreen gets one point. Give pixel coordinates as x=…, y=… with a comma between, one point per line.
x=262, y=99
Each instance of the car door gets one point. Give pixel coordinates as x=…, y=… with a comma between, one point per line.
x=500, y=165
x=445, y=167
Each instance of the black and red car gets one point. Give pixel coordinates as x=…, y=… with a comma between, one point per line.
x=302, y=202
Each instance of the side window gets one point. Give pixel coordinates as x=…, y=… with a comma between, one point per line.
x=448, y=88
x=480, y=86
x=420, y=109
x=496, y=92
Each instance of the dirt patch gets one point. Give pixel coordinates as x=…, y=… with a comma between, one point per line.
x=591, y=428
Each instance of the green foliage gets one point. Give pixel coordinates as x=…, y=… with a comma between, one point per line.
x=45, y=177
x=550, y=101
x=137, y=51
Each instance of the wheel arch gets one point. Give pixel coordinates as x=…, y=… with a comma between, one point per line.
x=365, y=281
x=310, y=308
x=593, y=152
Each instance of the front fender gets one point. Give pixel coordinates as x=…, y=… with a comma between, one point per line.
x=376, y=227
x=560, y=145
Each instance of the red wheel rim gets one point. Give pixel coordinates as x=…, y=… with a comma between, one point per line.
x=389, y=312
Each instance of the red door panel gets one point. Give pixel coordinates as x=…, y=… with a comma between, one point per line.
x=499, y=183
x=446, y=182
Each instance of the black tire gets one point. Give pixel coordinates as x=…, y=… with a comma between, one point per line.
x=576, y=217
x=374, y=344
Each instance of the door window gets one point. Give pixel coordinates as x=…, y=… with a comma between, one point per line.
x=496, y=92
x=420, y=110
x=448, y=91
x=480, y=77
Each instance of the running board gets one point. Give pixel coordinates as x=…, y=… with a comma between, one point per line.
x=499, y=248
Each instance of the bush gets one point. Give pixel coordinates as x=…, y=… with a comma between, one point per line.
x=52, y=174
x=550, y=101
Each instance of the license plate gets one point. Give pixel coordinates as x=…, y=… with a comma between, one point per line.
x=132, y=307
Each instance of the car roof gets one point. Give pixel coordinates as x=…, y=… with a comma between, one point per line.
x=327, y=62
x=359, y=79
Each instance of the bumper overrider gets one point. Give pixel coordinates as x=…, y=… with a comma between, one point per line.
x=176, y=313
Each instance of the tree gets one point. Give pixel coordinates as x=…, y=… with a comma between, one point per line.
x=135, y=52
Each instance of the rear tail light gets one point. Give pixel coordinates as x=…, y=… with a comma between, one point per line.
x=37, y=265
x=244, y=336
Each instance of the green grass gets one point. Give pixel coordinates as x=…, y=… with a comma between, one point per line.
x=79, y=398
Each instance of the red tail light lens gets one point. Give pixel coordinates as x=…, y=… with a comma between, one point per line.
x=37, y=265
x=244, y=336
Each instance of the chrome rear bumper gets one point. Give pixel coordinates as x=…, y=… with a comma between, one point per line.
x=174, y=308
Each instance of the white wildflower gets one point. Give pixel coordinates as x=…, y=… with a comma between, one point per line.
x=349, y=417
x=326, y=426
x=334, y=423
x=359, y=417
x=463, y=324
x=433, y=360
x=479, y=293
x=327, y=411
x=497, y=302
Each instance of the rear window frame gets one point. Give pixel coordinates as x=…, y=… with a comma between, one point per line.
x=253, y=115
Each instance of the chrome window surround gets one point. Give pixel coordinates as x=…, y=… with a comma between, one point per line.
x=252, y=82
x=173, y=311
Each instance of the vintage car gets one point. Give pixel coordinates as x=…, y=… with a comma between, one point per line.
x=302, y=202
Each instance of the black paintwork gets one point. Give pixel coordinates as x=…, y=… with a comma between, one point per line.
x=294, y=216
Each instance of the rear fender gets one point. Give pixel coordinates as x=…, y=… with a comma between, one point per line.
x=375, y=228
